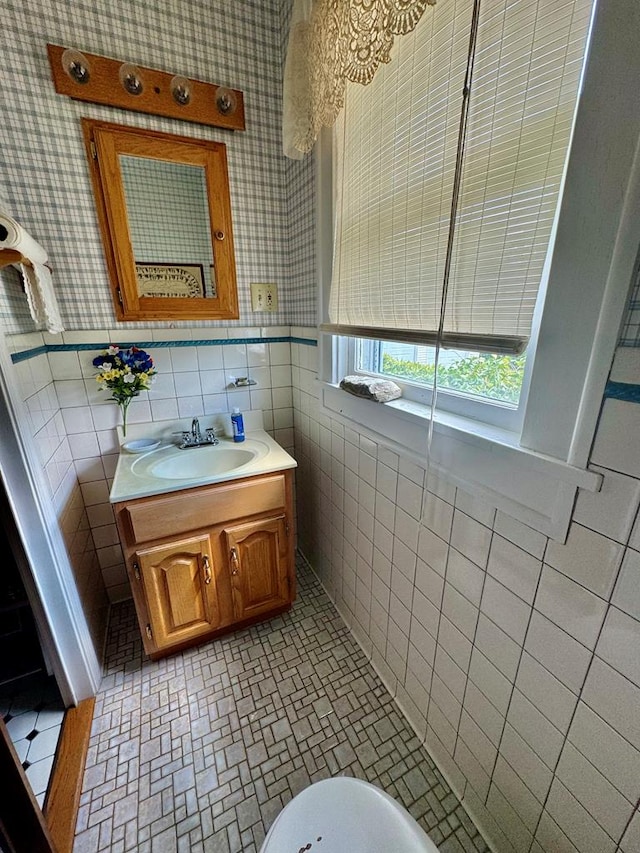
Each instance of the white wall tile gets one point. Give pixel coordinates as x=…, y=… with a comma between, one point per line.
x=471, y=538
x=460, y=611
x=71, y=392
x=610, y=511
x=95, y=492
x=446, y=702
x=386, y=481
x=551, y=838
x=437, y=515
x=520, y=534
x=407, y=529
x=520, y=798
x=614, y=756
x=634, y=539
x=484, y=714
x=476, y=775
x=557, y=651
x=495, y=686
x=425, y=612
x=78, y=420
x=210, y=358
x=409, y=497
x=89, y=469
x=535, y=729
x=475, y=506
x=530, y=767
x=423, y=642
x=449, y=675
x=590, y=788
x=385, y=511
x=514, y=568
x=570, y=606
x=631, y=841
x=505, y=609
x=408, y=468
x=183, y=359
x=498, y=647
x=432, y=549
x=508, y=819
x=619, y=644
x=429, y=582
x=546, y=692
x=615, y=699
x=453, y=641
x=576, y=821
x=617, y=443
x=477, y=741
x=626, y=595
x=587, y=558
x=65, y=365
x=465, y=576
x=367, y=468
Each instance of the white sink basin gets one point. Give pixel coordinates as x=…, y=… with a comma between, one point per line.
x=168, y=468
x=196, y=463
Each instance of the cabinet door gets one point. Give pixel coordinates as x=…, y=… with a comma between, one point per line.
x=259, y=566
x=179, y=582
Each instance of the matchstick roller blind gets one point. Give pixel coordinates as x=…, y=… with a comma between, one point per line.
x=395, y=149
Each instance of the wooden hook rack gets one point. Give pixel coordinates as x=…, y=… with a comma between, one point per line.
x=11, y=256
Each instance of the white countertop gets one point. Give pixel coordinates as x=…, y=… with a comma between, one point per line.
x=134, y=479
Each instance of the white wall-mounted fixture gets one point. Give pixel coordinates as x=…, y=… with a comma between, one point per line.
x=131, y=79
x=264, y=297
x=76, y=66
x=181, y=90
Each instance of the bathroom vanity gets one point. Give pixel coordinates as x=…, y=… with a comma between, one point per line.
x=209, y=551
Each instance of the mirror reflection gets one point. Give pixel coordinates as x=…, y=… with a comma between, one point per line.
x=171, y=241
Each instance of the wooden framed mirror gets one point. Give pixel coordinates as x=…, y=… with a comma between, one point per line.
x=165, y=216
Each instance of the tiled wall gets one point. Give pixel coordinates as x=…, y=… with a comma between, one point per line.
x=515, y=657
x=46, y=423
x=75, y=424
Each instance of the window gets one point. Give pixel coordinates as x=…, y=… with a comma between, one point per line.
x=587, y=280
x=398, y=173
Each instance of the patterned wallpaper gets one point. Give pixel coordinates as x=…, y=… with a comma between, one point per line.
x=630, y=336
x=44, y=178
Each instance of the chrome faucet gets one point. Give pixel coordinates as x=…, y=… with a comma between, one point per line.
x=194, y=438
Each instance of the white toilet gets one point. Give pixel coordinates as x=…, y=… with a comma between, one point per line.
x=344, y=815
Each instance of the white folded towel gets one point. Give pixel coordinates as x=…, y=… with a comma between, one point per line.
x=36, y=275
x=41, y=298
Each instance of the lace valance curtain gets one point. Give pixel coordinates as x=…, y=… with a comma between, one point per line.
x=332, y=42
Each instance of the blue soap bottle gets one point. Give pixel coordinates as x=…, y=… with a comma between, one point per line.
x=238, y=425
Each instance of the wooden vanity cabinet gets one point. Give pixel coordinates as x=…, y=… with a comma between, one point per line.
x=207, y=560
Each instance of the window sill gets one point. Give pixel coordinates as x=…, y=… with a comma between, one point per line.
x=536, y=489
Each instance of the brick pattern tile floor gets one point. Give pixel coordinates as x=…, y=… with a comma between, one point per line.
x=199, y=752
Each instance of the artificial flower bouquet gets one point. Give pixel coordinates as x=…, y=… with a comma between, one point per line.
x=125, y=373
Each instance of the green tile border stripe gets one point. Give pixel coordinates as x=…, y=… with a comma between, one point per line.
x=626, y=391
x=25, y=355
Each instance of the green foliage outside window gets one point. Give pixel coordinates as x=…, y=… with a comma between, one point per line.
x=498, y=377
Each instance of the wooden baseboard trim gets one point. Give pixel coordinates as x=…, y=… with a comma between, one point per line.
x=63, y=796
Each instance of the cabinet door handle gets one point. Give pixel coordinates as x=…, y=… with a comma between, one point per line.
x=234, y=562
x=207, y=568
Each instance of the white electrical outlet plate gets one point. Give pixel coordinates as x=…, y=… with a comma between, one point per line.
x=264, y=297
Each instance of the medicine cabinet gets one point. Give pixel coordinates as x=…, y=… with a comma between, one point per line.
x=164, y=210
